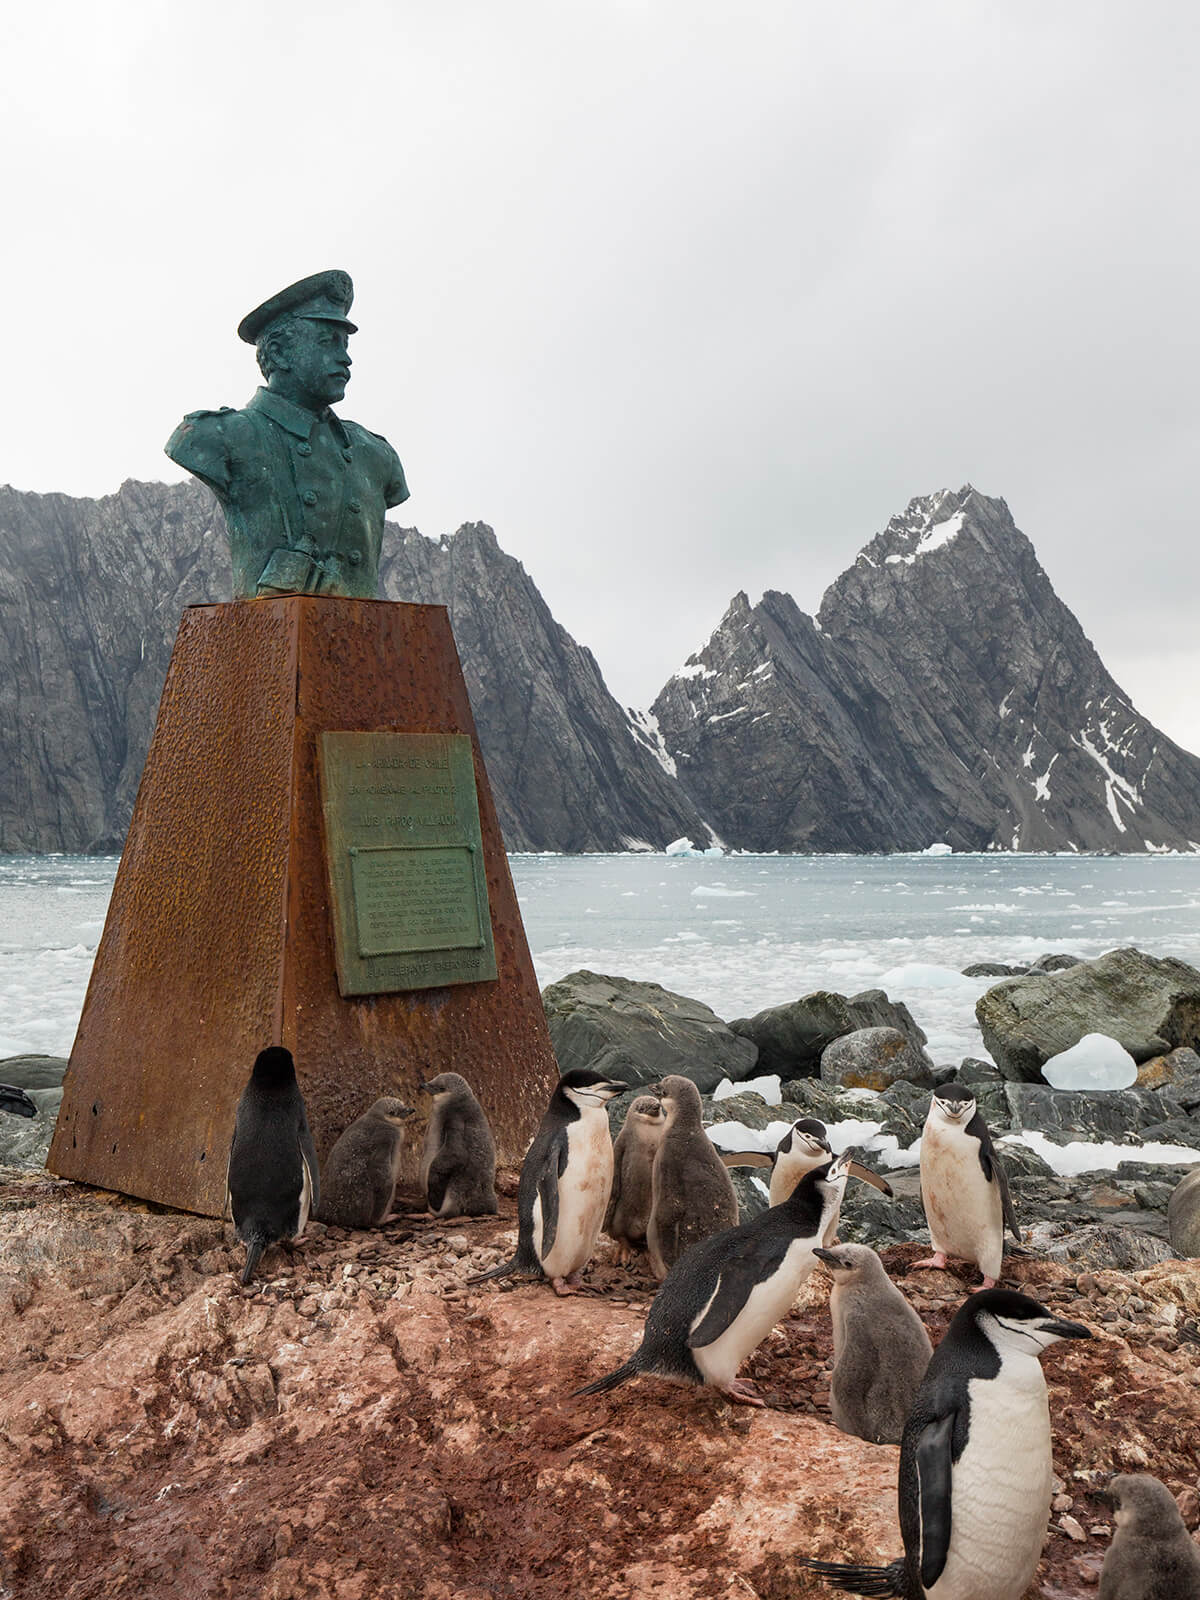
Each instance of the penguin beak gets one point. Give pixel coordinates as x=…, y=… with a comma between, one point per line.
x=855, y=1169
x=825, y=1255
x=1062, y=1329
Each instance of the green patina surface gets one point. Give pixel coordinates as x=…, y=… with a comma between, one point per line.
x=304, y=492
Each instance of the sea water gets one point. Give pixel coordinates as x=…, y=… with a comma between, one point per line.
x=739, y=933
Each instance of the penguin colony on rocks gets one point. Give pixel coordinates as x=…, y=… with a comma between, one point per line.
x=971, y=1417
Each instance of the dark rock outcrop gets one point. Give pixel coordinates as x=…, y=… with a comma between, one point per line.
x=91, y=593
x=640, y=1032
x=944, y=693
x=1149, y=1004
x=791, y=1038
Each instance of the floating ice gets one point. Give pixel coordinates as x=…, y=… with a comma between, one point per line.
x=1096, y=1062
x=924, y=975
x=938, y=849
x=681, y=847
x=1067, y=1160
x=717, y=891
x=766, y=1088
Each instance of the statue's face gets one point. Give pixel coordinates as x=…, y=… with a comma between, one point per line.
x=319, y=360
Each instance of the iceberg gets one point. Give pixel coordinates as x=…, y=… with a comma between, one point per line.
x=1096, y=1062
x=938, y=849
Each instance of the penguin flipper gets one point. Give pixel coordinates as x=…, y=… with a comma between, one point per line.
x=308, y=1153
x=993, y=1171
x=933, y=1462
x=758, y=1260
x=886, y=1581
x=554, y=1164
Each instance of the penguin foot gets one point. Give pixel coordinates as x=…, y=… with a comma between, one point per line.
x=566, y=1286
x=988, y=1283
x=938, y=1260
x=743, y=1394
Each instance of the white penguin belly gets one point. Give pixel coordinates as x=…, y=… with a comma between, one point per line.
x=1001, y=1487
x=962, y=1208
x=583, y=1191
x=765, y=1305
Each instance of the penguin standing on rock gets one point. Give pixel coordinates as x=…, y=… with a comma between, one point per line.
x=565, y=1182
x=273, y=1182
x=975, y=1471
x=458, y=1165
x=724, y=1295
x=963, y=1186
x=633, y=1175
x=363, y=1167
x=880, y=1347
x=1152, y=1556
x=692, y=1194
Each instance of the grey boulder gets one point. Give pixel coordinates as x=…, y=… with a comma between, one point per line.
x=875, y=1058
x=792, y=1038
x=1149, y=1004
x=638, y=1033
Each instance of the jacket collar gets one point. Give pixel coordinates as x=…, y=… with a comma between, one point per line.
x=294, y=418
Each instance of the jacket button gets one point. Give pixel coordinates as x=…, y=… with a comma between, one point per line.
x=304, y=449
x=354, y=505
x=355, y=558
x=310, y=497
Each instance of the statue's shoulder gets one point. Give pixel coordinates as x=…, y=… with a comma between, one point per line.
x=395, y=489
x=205, y=441
x=363, y=436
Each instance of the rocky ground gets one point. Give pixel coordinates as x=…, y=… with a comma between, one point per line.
x=361, y=1424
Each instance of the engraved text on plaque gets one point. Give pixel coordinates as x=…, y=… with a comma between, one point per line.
x=407, y=886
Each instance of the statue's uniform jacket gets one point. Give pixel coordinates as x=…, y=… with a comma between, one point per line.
x=293, y=479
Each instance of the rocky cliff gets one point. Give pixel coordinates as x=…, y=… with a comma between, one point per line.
x=943, y=693
x=90, y=597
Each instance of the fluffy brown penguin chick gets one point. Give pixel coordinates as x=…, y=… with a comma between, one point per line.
x=633, y=1175
x=692, y=1194
x=1152, y=1556
x=362, y=1168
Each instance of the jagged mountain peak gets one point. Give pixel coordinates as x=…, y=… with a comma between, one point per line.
x=944, y=692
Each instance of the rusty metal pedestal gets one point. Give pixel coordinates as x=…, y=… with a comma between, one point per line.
x=218, y=940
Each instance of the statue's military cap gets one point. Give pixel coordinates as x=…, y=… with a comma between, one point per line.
x=325, y=297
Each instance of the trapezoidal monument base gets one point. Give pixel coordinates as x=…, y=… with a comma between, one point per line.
x=219, y=939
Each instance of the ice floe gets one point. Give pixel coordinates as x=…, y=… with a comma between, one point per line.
x=1096, y=1062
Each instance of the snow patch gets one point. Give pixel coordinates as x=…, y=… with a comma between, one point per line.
x=934, y=538
x=645, y=729
x=767, y=1088
x=1068, y=1160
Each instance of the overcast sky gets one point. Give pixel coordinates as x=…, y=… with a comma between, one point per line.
x=681, y=298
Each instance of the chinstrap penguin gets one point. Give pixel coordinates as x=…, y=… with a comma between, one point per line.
x=362, y=1168
x=17, y=1101
x=724, y=1295
x=565, y=1181
x=964, y=1189
x=458, y=1165
x=975, y=1471
x=692, y=1194
x=273, y=1182
x=633, y=1168
x=1152, y=1556
x=880, y=1347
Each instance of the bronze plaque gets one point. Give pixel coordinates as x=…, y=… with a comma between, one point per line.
x=405, y=863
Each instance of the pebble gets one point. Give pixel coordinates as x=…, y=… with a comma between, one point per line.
x=1072, y=1529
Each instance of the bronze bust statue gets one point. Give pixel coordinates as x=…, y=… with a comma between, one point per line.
x=304, y=493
